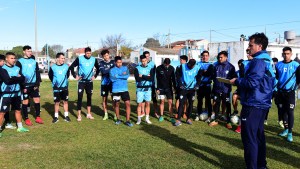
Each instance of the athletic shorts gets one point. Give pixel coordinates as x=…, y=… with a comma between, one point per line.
x=14, y=102
x=87, y=86
x=153, y=95
x=121, y=95
x=165, y=93
x=31, y=93
x=105, y=89
x=218, y=97
x=177, y=94
x=143, y=96
x=59, y=95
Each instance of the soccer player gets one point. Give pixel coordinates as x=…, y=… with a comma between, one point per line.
x=59, y=74
x=30, y=69
x=183, y=60
x=207, y=71
x=288, y=75
x=165, y=78
x=11, y=91
x=153, y=94
x=119, y=75
x=8, y=124
x=221, y=91
x=189, y=79
x=144, y=78
x=256, y=90
x=85, y=65
x=106, y=86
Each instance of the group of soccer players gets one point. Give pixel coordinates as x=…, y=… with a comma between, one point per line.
x=20, y=81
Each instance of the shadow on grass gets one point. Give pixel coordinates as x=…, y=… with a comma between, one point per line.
x=49, y=108
x=224, y=160
x=272, y=153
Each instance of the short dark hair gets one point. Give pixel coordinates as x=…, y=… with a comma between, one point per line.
x=118, y=58
x=240, y=61
x=204, y=52
x=87, y=49
x=225, y=53
x=286, y=48
x=9, y=53
x=248, y=51
x=146, y=52
x=104, y=51
x=191, y=63
x=58, y=54
x=142, y=57
x=274, y=59
x=26, y=47
x=260, y=39
x=2, y=57
x=184, y=57
x=167, y=61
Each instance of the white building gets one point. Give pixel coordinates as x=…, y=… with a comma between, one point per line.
x=157, y=55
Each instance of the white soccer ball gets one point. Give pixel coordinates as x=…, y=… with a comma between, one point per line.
x=234, y=119
x=203, y=116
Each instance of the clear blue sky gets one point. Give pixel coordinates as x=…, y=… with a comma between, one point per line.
x=73, y=23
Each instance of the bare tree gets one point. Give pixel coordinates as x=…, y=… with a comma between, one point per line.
x=115, y=43
x=57, y=48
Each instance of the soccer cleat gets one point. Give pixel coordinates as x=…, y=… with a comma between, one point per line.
x=208, y=120
x=281, y=124
x=55, y=120
x=22, y=130
x=28, y=122
x=284, y=133
x=127, y=123
x=105, y=116
x=238, y=129
x=10, y=126
x=118, y=122
x=39, y=120
x=229, y=126
x=173, y=120
x=177, y=123
x=213, y=117
x=161, y=119
x=197, y=118
x=89, y=116
x=289, y=137
x=79, y=118
x=266, y=122
x=189, y=121
x=148, y=121
x=213, y=123
x=138, y=122
x=67, y=119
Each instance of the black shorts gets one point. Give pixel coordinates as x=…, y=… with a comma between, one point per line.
x=87, y=86
x=121, y=95
x=59, y=95
x=105, y=89
x=14, y=102
x=166, y=92
x=286, y=100
x=218, y=97
x=31, y=93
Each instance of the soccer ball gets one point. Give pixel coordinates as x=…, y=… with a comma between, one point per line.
x=203, y=116
x=234, y=119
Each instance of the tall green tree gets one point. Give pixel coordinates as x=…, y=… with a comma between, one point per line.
x=18, y=50
x=50, y=51
x=152, y=43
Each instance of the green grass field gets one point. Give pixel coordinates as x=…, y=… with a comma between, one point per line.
x=102, y=144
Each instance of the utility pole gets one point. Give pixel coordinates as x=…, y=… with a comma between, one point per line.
x=169, y=40
x=35, y=30
x=209, y=39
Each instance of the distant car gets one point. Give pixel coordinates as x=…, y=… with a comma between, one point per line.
x=43, y=67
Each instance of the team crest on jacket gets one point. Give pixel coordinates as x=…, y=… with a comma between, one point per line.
x=226, y=72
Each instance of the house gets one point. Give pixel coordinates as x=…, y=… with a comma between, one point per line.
x=157, y=55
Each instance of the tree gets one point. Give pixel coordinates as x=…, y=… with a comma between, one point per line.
x=51, y=52
x=95, y=53
x=57, y=48
x=125, y=51
x=152, y=43
x=18, y=50
x=115, y=43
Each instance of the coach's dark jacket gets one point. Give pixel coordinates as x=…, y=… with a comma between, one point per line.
x=256, y=87
x=225, y=70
